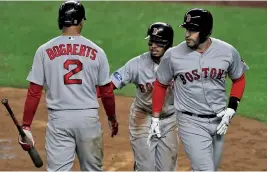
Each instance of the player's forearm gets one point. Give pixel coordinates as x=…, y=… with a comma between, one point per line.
x=108, y=100
x=158, y=98
x=32, y=100
x=237, y=91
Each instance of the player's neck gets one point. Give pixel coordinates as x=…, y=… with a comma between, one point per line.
x=70, y=31
x=204, y=46
x=70, y=34
x=156, y=59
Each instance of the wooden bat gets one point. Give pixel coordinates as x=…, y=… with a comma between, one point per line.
x=32, y=152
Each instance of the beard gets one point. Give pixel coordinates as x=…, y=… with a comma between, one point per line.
x=193, y=44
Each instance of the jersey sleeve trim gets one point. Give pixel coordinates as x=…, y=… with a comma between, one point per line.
x=104, y=83
x=35, y=81
x=117, y=80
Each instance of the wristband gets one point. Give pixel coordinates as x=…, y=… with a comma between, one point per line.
x=233, y=103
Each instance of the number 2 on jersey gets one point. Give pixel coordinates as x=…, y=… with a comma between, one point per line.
x=79, y=67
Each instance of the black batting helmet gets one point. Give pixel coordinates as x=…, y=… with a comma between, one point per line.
x=161, y=32
x=71, y=13
x=199, y=20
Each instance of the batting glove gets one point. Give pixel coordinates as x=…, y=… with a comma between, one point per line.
x=226, y=116
x=27, y=142
x=154, y=130
x=113, y=124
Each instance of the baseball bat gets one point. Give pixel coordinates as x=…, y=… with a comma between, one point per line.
x=32, y=152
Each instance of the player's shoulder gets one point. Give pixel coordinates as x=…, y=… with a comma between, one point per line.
x=174, y=52
x=140, y=58
x=144, y=56
x=50, y=42
x=223, y=45
x=178, y=50
x=41, y=48
x=93, y=45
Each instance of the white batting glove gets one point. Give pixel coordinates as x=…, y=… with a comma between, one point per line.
x=28, y=141
x=154, y=130
x=226, y=116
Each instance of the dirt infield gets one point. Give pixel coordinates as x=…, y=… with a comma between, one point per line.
x=244, y=149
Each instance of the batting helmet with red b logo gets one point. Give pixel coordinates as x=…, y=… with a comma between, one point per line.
x=199, y=20
x=161, y=32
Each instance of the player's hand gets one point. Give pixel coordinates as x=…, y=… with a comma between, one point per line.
x=27, y=142
x=154, y=130
x=226, y=116
x=113, y=124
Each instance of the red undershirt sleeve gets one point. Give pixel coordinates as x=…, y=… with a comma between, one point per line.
x=158, y=97
x=32, y=100
x=238, y=87
x=237, y=91
x=108, y=99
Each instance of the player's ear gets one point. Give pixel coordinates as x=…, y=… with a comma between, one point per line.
x=81, y=23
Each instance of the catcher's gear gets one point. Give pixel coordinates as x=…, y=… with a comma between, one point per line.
x=161, y=33
x=226, y=116
x=113, y=124
x=28, y=142
x=71, y=13
x=199, y=20
x=154, y=130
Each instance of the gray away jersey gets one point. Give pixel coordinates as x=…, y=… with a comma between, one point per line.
x=141, y=72
x=70, y=67
x=199, y=79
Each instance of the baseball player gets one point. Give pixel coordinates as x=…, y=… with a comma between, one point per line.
x=140, y=70
x=199, y=67
x=69, y=67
